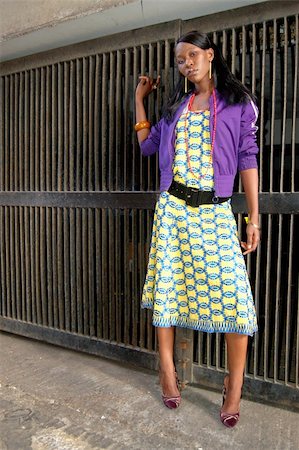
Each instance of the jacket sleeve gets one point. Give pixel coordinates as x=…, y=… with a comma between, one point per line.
x=151, y=144
x=248, y=148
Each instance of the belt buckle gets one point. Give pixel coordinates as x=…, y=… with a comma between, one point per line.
x=191, y=198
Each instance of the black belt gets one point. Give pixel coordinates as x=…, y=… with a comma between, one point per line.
x=194, y=197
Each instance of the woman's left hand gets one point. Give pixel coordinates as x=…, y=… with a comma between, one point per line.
x=253, y=239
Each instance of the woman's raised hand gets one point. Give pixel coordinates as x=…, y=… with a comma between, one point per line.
x=145, y=86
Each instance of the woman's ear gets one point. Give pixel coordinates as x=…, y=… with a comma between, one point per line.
x=210, y=53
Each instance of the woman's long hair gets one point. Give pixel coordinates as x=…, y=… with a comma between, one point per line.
x=225, y=82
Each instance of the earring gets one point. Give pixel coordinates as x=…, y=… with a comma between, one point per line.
x=186, y=85
x=210, y=70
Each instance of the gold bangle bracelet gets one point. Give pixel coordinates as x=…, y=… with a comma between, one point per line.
x=141, y=125
x=248, y=222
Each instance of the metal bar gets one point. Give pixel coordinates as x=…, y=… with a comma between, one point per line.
x=20, y=132
x=2, y=133
x=127, y=159
x=79, y=122
x=118, y=274
x=126, y=275
x=60, y=129
x=104, y=122
x=48, y=126
x=111, y=108
x=11, y=133
x=66, y=150
x=7, y=261
x=105, y=292
x=73, y=278
x=273, y=106
x=43, y=267
x=150, y=185
x=60, y=269
x=32, y=132
x=18, y=241
x=234, y=45
x=91, y=168
x=79, y=271
x=28, y=277
x=158, y=106
x=91, y=273
x=289, y=303
x=37, y=271
x=134, y=302
x=267, y=299
x=277, y=301
x=42, y=142
x=85, y=293
x=99, y=299
x=84, y=173
x=3, y=266
x=284, y=113
x=66, y=269
x=111, y=275
x=257, y=304
x=37, y=129
x=295, y=93
x=253, y=58
x=27, y=133
x=54, y=146
x=15, y=173
x=72, y=127
x=12, y=263
x=262, y=109
x=49, y=266
x=55, y=269
x=143, y=256
x=135, y=146
x=6, y=132
x=118, y=113
x=97, y=124
x=32, y=264
x=142, y=160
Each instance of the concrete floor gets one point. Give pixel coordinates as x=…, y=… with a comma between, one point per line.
x=52, y=398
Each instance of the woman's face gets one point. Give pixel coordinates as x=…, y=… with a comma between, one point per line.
x=193, y=62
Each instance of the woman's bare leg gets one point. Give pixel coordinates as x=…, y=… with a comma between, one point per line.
x=236, y=352
x=167, y=369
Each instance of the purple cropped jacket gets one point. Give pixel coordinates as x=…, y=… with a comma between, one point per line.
x=235, y=145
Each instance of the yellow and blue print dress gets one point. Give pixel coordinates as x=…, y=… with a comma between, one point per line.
x=196, y=275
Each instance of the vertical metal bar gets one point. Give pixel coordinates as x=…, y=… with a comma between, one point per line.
x=135, y=146
x=60, y=269
x=66, y=268
x=295, y=92
x=66, y=149
x=48, y=126
x=111, y=266
x=126, y=275
x=37, y=279
x=135, y=304
x=6, y=132
x=28, y=278
x=273, y=105
x=72, y=128
x=11, y=134
x=224, y=44
x=37, y=128
x=262, y=108
x=253, y=57
x=99, y=297
x=285, y=94
x=49, y=268
x=91, y=272
x=33, y=264
x=111, y=154
x=73, y=280
x=85, y=296
x=91, y=168
x=3, y=126
x=127, y=123
x=104, y=265
x=21, y=132
x=118, y=111
x=85, y=125
x=142, y=160
x=16, y=132
x=7, y=261
x=234, y=46
x=257, y=302
x=289, y=302
x=26, y=133
x=277, y=301
x=104, y=122
x=60, y=129
x=267, y=297
x=3, y=263
x=150, y=113
x=17, y=257
x=119, y=268
x=159, y=107
x=149, y=340
x=141, y=263
x=32, y=131
x=97, y=124
x=12, y=262
x=79, y=125
x=54, y=147
x=79, y=270
x=42, y=142
x=43, y=267
x=55, y=269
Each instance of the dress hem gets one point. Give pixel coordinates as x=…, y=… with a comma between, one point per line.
x=202, y=325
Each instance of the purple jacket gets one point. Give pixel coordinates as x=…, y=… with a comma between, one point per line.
x=235, y=145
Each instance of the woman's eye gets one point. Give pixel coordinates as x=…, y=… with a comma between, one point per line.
x=180, y=62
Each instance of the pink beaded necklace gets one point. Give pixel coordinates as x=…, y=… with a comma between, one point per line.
x=213, y=134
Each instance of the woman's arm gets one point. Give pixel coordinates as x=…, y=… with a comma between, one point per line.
x=249, y=179
x=145, y=86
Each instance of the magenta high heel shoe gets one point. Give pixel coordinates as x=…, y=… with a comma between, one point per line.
x=172, y=402
x=228, y=419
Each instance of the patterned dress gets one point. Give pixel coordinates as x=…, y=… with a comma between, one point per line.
x=196, y=275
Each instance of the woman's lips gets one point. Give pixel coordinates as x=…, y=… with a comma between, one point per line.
x=192, y=72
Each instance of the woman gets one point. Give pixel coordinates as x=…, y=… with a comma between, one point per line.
x=196, y=275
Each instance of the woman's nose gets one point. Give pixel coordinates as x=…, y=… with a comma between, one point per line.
x=189, y=62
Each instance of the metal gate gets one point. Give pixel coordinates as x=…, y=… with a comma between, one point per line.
x=77, y=198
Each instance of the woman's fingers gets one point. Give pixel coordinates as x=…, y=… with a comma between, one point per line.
x=253, y=239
